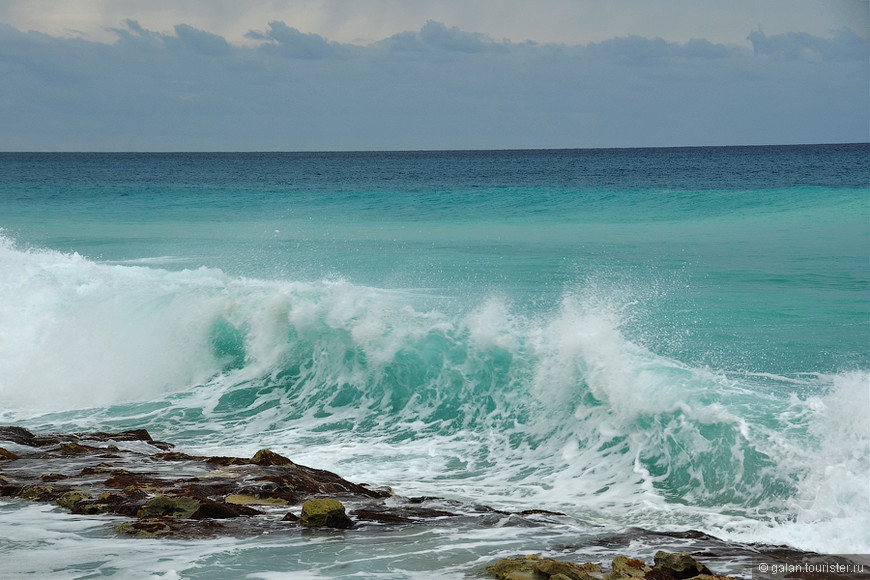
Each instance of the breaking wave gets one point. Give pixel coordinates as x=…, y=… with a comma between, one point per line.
x=480, y=399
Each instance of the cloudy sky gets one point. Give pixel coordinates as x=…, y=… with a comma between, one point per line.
x=180, y=75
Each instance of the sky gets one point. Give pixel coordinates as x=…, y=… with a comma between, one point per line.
x=312, y=75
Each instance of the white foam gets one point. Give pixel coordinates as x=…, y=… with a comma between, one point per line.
x=77, y=334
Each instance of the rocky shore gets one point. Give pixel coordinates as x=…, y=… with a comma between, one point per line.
x=158, y=492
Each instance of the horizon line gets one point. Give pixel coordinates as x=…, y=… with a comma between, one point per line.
x=375, y=151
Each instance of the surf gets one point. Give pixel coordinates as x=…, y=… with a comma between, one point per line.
x=483, y=398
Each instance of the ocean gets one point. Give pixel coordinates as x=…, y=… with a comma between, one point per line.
x=641, y=339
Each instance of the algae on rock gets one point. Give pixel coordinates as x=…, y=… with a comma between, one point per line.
x=324, y=512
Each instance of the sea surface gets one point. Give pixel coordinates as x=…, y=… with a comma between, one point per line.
x=665, y=339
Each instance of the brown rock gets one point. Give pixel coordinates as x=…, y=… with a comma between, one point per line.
x=70, y=498
x=623, y=567
x=209, y=509
x=267, y=457
x=163, y=505
x=381, y=516
x=174, y=456
x=519, y=568
x=680, y=566
x=552, y=567
x=6, y=454
x=145, y=528
x=245, y=499
x=74, y=448
x=39, y=493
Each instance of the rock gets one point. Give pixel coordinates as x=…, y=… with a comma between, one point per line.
x=174, y=456
x=22, y=436
x=519, y=568
x=74, y=448
x=245, y=499
x=145, y=528
x=324, y=512
x=220, y=460
x=551, y=568
x=6, y=454
x=627, y=568
x=209, y=509
x=381, y=516
x=8, y=487
x=129, y=482
x=163, y=505
x=533, y=567
x=290, y=517
x=679, y=566
x=539, y=513
x=267, y=457
x=38, y=493
x=70, y=498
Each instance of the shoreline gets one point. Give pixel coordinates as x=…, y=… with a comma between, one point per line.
x=166, y=494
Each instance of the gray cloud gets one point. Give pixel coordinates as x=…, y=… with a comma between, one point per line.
x=438, y=35
x=288, y=41
x=202, y=42
x=437, y=87
x=845, y=45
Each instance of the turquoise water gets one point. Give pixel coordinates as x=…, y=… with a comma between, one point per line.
x=665, y=338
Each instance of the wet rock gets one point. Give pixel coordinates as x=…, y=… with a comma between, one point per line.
x=627, y=568
x=74, y=448
x=533, y=567
x=129, y=481
x=6, y=454
x=145, y=528
x=70, y=498
x=228, y=461
x=267, y=457
x=167, y=527
x=39, y=493
x=176, y=507
x=519, y=568
x=174, y=456
x=246, y=499
x=8, y=487
x=539, y=513
x=324, y=512
x=22, y=436
x=679, y=566
x=552, y=568
x=209, y=509
x=381, y=516
x=306, y=480
x=107, y=502
x=100, y=468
